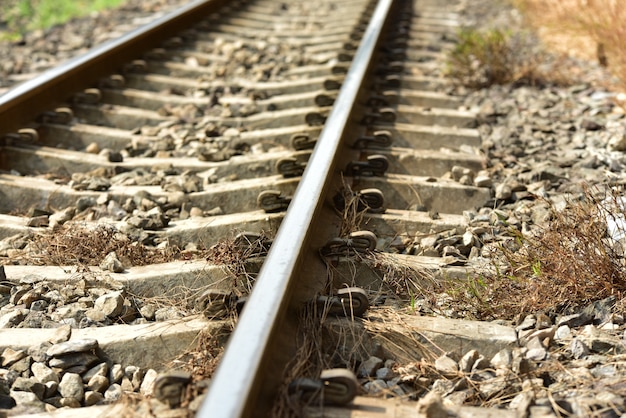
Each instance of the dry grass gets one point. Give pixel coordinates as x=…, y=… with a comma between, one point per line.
x=406, y=281
x=593, y=29
x=309, y=361
x=74, y=244
x=235, y=252
x=567, y=264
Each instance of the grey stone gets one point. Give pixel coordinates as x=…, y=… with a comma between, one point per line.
x=385, y=373
x=575, y=320
x=24, y=384
x=493, y=387
x=483, y=180
x=603, y=371
x=127, y=385
x=38, y=352
x=112, y=263
x=29, y=400
x=113, y=393
x=23, y=366
x=528, y=323
x=536, y=354
x=73, y=346
x=168, y=313
x=101, y=369
x=578, y=349
x=13, y=318
x=71, y=386
x=503, y=191
x=137, y=377
x=95, y=316
x=78, y=362
x=375, y=387
x=442, y=386
x=6, y=402
x=446, y=365
x=368, y=367
x=51, y=388
x=467, y=361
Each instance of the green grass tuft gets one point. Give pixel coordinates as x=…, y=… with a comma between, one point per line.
x=22, y=16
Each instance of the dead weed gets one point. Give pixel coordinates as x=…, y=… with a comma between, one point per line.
x=577, y=258
x=76, y=245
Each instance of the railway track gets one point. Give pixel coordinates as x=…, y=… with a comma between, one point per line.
x=273, y=169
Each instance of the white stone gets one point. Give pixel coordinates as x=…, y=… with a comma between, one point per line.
x=71, y=386
x=147, y=386
x=44, y=373
x=502, y=359
x=110, y=304
x=98, y=383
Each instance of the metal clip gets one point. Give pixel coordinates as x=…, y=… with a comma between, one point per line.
x=359, y=242
x=370, y=200
x=272, y=201
x=115, y=81
x=290, y=167
x=392, y=81
x=380, y=139
x=59, y=116
x=348, y=302
x=157, y=54
x=316, y=118
x=375, y=166
x=334, y=387
x=88, y=96
x=383, y=115
x=24, y=135
x=301, y=142
x=332, y=84
x=136, y=67
x=339, y=69
x=324, y=100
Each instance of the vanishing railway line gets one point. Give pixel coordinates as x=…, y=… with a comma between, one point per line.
x=316, y=133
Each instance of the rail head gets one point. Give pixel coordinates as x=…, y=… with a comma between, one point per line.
x=24, y=102
x=242, y=373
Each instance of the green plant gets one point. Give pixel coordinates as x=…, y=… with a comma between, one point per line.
x=482, y=58
x=21, y=16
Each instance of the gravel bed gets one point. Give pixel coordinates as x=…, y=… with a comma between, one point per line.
x=40, y=50
x=540, y=142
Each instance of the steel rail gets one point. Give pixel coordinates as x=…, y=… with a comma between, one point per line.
x=253, y=348
x=27, y=100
